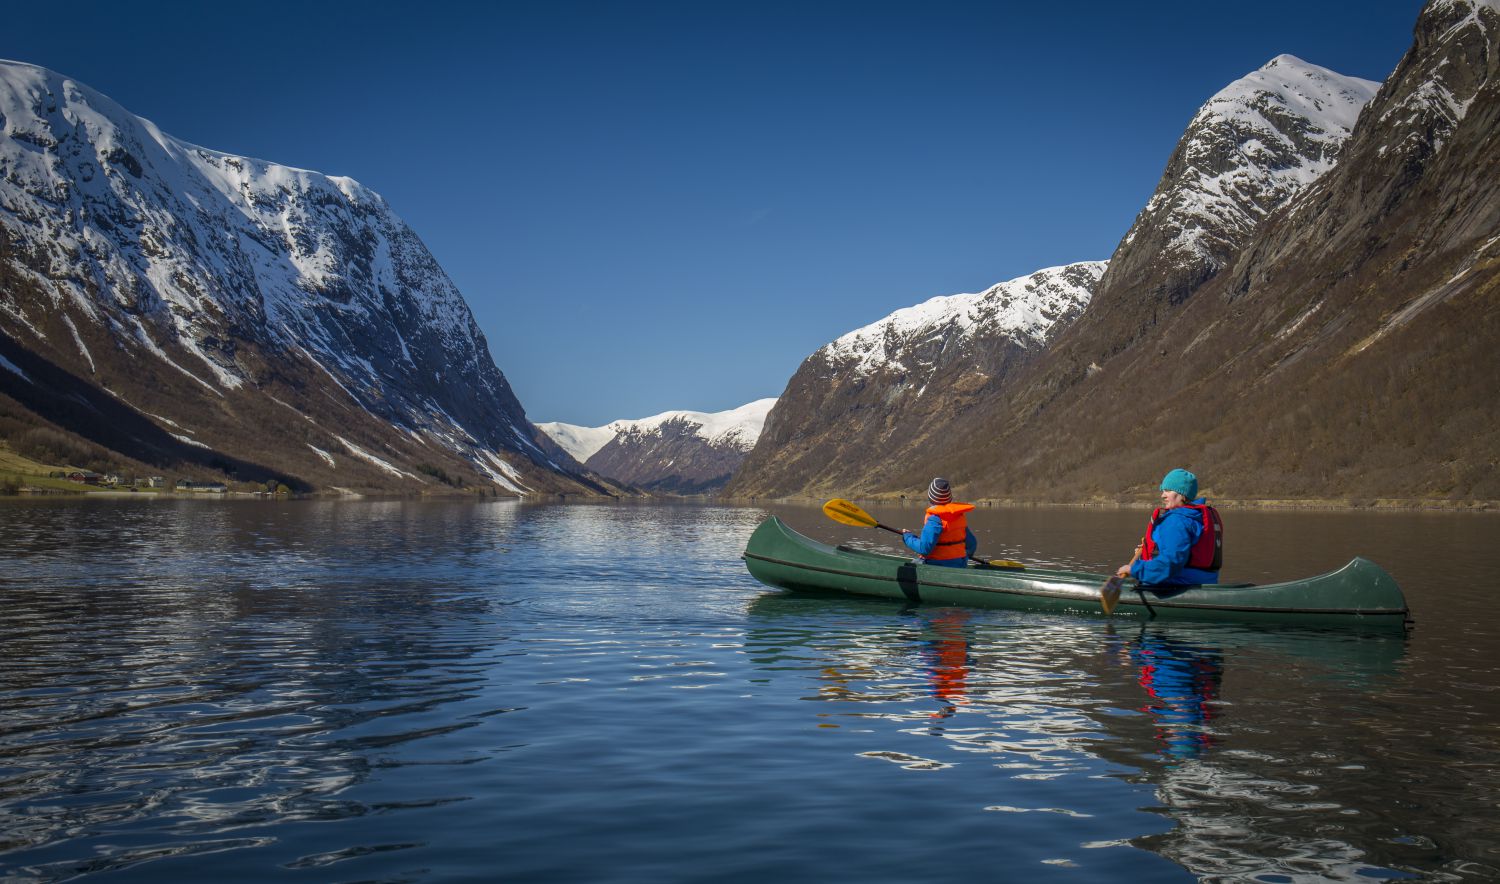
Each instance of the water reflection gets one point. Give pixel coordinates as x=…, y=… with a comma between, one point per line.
x=946, y=658
x=192, y=728
x=1181, y=681
x=1216, y=719
x=480, y=691
x=192, y=677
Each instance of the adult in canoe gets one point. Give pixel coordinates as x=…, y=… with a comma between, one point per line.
x=945, y=538
x=1184, y=541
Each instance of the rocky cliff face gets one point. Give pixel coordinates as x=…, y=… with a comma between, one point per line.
x=675, y=453
x=862, y=400
x=180, y=304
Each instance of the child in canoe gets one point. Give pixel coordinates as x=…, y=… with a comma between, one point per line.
x=945, y=538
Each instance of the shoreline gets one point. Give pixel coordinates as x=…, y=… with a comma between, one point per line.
x=1356, y=504
x=1353, y=504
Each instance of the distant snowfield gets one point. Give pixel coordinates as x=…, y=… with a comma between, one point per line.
x=741, y=425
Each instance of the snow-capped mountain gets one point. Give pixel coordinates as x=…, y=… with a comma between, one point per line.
x=1259, y=140
x=919, y=340
x=217, y=295
x=886, y=386
x=1344, y=349
x=675, y=452
x=1340, y=348
x=1248, y=150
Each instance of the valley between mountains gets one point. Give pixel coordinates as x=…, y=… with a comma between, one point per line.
x=1306, y=309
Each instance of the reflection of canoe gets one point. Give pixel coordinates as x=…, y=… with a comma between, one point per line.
x=1360, y=594
x=1352, y=657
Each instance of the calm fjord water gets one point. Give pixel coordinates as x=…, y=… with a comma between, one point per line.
x=320, y=691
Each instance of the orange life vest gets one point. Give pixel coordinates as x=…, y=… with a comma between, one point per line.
x=1207, y=553
x=951, y=543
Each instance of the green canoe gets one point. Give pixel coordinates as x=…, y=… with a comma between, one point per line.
x=1360, y=594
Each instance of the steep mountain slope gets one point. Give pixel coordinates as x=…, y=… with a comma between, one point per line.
x=1250, y=148
x=676, y=452
x=897, y=383
x=167, y=300
x=1345, y=351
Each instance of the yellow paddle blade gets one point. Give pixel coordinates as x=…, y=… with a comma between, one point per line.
x=1005, y=563
x=1109, y=594
x=841, y=510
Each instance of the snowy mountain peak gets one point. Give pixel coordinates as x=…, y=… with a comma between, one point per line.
x=1248, y=149
x=1024, y=309
x=738, y=427
x=1329, y=100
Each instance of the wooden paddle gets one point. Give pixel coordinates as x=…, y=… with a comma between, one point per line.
x=843, y=511
x=1109, y=593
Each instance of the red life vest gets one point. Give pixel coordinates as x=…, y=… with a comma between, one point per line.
x=951, y=542
x=1207, y=553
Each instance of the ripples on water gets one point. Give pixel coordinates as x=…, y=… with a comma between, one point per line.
x=426, y=691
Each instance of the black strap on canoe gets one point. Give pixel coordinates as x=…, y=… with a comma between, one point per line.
x=1142, y=593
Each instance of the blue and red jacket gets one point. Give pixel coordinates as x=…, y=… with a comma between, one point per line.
x=945, y=538
x=1177, y=551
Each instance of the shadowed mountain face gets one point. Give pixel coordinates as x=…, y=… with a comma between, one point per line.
x=1331, y=339
x=285, y=320
x=673, y=459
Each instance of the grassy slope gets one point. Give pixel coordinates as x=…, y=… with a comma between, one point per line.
x=32, y=474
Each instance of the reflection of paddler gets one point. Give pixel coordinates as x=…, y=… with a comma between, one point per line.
x=947, y=656
x=1183, y=683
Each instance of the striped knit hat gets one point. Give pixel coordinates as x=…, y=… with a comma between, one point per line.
x=940, y=491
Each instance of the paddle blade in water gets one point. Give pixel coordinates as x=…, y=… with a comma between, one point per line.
x=1109, y=594
x=841, y=510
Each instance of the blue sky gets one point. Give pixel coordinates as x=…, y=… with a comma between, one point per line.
x=663, y=205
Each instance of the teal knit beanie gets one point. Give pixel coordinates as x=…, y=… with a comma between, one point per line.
x=1181, y=481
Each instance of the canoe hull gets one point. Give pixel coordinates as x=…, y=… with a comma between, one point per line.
x=1360, y=595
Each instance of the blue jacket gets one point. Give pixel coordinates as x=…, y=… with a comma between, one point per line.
x=1174, y=537
x=922, y=544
